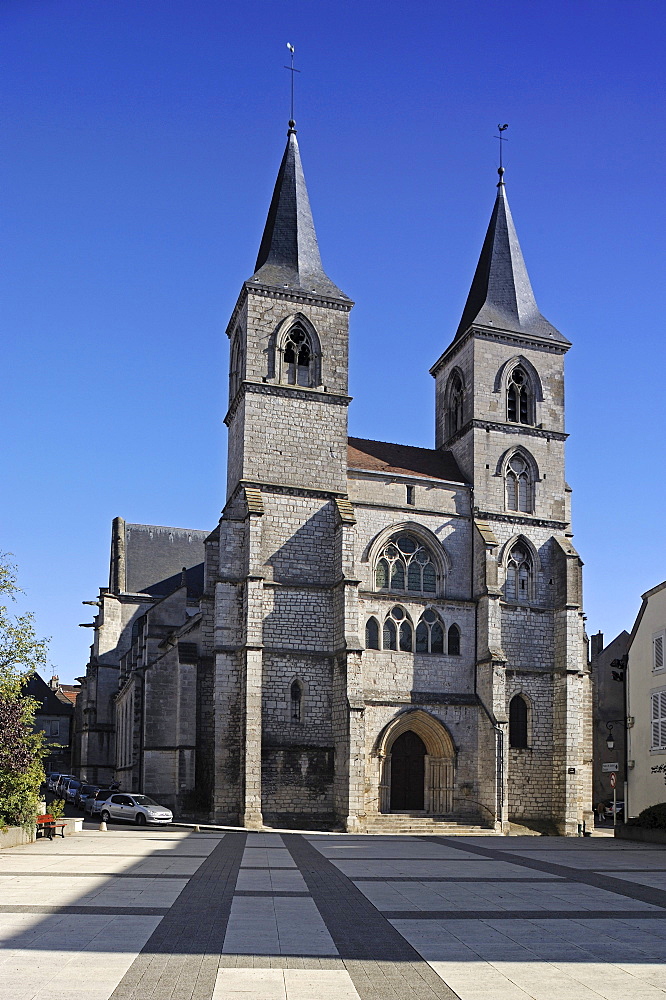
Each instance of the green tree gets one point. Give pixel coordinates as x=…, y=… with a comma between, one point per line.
x=22, y=750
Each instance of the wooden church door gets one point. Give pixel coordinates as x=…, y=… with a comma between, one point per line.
x=407, y=772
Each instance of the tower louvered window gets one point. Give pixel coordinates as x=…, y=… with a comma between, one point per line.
x=298, y=358
x=518, y=584
x=518, y=485
x=519, y=398
x=456, y=397
x=406, y=565
x=658, y=717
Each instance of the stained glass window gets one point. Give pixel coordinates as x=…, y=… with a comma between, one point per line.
x=406, y=565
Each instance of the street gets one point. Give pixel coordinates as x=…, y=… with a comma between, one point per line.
x=168, y=913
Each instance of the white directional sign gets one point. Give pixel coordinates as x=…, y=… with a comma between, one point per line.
x=610, y=767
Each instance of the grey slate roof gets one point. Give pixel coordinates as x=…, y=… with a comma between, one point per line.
x=289, y=252
x=501, y=295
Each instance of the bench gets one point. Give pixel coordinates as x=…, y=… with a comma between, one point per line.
x=49, y=826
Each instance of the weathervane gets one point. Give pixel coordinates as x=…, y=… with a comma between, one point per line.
x=500, y=129
x=292, y=70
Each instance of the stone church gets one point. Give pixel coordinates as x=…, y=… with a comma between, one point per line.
x=375, y=636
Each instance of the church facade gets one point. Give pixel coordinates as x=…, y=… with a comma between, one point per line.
x=374, y=635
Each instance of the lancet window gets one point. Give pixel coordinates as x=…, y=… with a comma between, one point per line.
x=519, y=397
x=296, y=693
x=298, y=358
x=518, y=722
x=372, y=634
x=235, y=356
x=455, y=410
x=406, y=565
x=397, y=632
x=519, y=487
x=430, y=633
x=519, y=575
x=453, y=643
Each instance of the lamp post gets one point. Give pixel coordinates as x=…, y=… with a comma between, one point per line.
x=619, y=674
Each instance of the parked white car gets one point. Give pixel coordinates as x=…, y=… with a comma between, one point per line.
x=137, y=809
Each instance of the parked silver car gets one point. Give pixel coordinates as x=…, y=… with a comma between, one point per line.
x=139, y=809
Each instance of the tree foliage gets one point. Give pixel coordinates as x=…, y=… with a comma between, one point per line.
x=21, y=748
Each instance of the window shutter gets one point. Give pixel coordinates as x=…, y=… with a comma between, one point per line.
x=659, y=652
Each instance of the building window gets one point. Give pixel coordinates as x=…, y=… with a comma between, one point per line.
x=658, y=716
x=398, y=632
x=455, y=408
x=453, y=645
x=406, y=565
x=296, y=701
x=234, y=366
x=519, y=398
x=518, y=722
x=298, y=358
x=410, y=496
x=518, y=585
x=658, y=651
x=518, y=480
x=430, y=633
x=372, y=634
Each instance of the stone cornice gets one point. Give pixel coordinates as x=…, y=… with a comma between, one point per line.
x=504, y=427
x=285, y=392
x=502, y=336
x=309, y=298
x=526, y=520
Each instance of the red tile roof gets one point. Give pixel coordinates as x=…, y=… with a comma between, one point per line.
x=380, y=456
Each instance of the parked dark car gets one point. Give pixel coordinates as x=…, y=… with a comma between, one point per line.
x=71, y=788
x=82, y=794
x=61, y=781
x=94, y=803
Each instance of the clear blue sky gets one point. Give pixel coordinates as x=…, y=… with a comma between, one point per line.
x=140, y=143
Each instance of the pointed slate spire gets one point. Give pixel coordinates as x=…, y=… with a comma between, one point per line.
x=501, y=295
x=289, y=252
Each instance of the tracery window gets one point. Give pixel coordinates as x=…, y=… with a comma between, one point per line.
x=372, y=634
x=397, y=632
x=406, y=565
x=296, y=701
x=453, y=644
x=519, y=397
x=518, y=485
x=518, y=722
x=456, y=395
x=429, y=633
x=519, y=572
x=298, y=356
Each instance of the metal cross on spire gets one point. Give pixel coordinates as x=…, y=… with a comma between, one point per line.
x=292, y=70
x=500, y=129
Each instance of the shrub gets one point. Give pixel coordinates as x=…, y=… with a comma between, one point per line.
x=652, y=818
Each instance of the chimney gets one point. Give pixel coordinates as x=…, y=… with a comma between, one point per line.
x=597, y=644
x=54, y=683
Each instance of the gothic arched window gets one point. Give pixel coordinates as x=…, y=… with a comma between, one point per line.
x=398, y=633
x=455, y=409
x=235, y=356
x=453, y=643
x=519, y=487
x=296, y=693
x=519, y=397
x=298, y=358
x=430, y=633
x=519, y=571
x=372, y=634
x=518, y=722
x=406, y=565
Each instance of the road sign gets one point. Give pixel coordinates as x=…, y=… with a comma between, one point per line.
x=612, y=779
x=610, y=767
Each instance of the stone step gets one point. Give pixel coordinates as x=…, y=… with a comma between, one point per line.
x=426, y=826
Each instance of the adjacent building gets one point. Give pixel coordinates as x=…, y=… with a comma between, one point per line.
x=646, y=704
x=374, y=634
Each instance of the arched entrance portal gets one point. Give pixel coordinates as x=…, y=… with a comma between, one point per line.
x=417, y=765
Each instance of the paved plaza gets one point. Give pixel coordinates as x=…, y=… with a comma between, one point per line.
x=168, y=914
